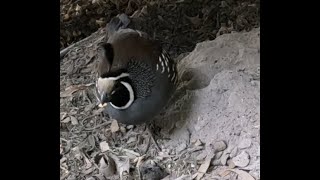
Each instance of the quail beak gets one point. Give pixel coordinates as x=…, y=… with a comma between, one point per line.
x=104, y=100
x=102, y=105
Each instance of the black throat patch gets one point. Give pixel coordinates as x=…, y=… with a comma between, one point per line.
x=121, y=96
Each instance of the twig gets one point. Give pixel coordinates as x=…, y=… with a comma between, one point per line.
x=103, y=124
x=152, y=138
x=67, y=49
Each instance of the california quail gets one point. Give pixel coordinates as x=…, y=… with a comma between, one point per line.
x=135, y=75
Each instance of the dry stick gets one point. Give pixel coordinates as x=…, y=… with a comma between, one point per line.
x=152, y=138
x=67, y=49
x=100, y=125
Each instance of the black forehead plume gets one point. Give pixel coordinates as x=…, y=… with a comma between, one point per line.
x=109, y=52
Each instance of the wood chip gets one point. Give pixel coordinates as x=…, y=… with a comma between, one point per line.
x=104, y=146
x=122, y=163
x=74, y=121
x=241, y=160
x=66, y=120
x=131, y=152
x=74, y=88
x=107, y=166
x=198, y=143
x=245, y=143
x=114, y=126
x=241, y=174
x=204, y=167
x=219, y=146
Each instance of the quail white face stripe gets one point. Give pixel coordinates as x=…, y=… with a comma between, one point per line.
x=118, y=77
x=157, y=66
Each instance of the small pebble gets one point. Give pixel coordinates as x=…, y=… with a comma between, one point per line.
x=123, y=130
x=231, y=164
x=241, y=160
x=104, y=146
x=234, y=152
x=216, y=162
x=129, y=126
x=245, y=143
x=218, y=155
x=219, y=146
x=224, y=158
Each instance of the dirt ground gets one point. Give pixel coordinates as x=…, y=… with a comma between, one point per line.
x=212, y=128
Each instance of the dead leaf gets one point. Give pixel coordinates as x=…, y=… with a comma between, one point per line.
x=74, y=121
x=71, y=89
x=204, y=167
x=63, y=115
x=104, y=146
x=123, y=164
x=97, y=177
x=107, y=166
x=194, y=20
x=66, y=17
x=241, y=174
x=78, y=8
x=88, y=171
x=123, y=129
x=91, y=142
x=139, y=160
x=114, y=126
x=194, y=176
x=198, y=143
x=88, y=163
x=183, y=177
x=62, y=160
x=131, y=152
x=98, y=111
x=66, y=120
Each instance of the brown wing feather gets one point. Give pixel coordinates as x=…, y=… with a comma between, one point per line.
x=129, y=44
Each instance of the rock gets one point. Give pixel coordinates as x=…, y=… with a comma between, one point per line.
x=201, y=156
x=114, y=126
x=218, y=155
x=241, y=160
x=234, y=152
x=129, y=126
x=231, y=164
x=216, y=162
x=181, y=147
x=245, y=143
x=123, y=130
x=224, y=158
x=104, y=146
x=219, y=146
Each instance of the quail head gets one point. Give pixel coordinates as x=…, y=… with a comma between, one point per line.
x=136, y=77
